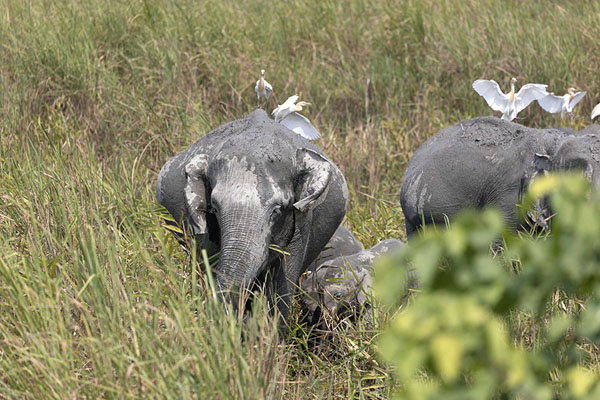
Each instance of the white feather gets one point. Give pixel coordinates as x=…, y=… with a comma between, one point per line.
x=529, y=93
x=596, y=111
x=565, y=103
x=301, y=125
x=267, y=90
x=490, y=91
x=499, y=101
x=551, y=103
x=284, y=109
x=576, y=99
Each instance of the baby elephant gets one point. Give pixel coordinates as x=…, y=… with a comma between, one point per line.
x=342, y=243
x=341, y=287
x=251, y=185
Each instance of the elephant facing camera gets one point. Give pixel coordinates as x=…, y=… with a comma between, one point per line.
x=251, y=185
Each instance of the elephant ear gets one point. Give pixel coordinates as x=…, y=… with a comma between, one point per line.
x=541, y=162
x=195, y=194
x=314, y=173
x=571, y=156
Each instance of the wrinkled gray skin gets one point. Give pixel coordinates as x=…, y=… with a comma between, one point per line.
x=340, y=287
x=246, y=185
x=490, y=162
x=342, y=243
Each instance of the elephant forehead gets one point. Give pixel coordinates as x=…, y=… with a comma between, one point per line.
x=261, y=143
x=242, y=179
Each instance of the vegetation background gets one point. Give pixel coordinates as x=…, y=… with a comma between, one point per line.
x=96, y=298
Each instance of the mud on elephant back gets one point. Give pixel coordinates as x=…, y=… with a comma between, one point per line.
x=484, y=162
x=249, y=184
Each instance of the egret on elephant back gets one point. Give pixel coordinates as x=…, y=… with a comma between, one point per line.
x=263, y=88
x=565, y=103
x=511, y=103
x=287, y=115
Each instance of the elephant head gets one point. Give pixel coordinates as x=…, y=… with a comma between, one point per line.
x=576, y=152
x=245, y=198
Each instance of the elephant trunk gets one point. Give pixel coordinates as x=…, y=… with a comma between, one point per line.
x=244, y=250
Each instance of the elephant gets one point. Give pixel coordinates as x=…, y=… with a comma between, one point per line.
x=486, y=161
x=341, y=287
x=342, y=243
x=248, y=186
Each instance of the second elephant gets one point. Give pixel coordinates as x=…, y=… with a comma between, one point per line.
x=490, y=162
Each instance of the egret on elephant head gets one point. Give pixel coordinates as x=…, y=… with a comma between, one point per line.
x=287, y=115
x=263, y=88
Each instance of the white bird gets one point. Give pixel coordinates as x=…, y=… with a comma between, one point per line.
x=565, y=103
x=287, y=115
x=509, y=104
x=263, y=88
x=596, y=111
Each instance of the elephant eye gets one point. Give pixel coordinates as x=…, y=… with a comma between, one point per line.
x=276, y=211
x=214, y=207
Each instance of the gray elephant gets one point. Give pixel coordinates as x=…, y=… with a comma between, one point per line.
x=490, y=162
x=342, y=243
x=341, y=287
x=250, y=184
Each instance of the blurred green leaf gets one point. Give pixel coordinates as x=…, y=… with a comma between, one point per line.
x=454, y=331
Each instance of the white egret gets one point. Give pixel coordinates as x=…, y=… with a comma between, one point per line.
x=509, y=104
x=565, y=103
x=263, y=88
x=596, y=111
x=287, y=115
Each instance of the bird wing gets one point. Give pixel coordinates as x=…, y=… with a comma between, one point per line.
x=576, y=99
x=280, y=113
x=283, y=109
x=301, y=125
x=490, y=91
x=596, y=111
x=551, y=103
x=529, y=93
x=268, y=88
x=290, y=101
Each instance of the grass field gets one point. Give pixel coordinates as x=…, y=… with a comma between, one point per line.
x=97, y=299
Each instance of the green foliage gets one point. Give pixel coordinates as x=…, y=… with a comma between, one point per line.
x=453, y=339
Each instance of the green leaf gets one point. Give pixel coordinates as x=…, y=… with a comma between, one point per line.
x=447, y=352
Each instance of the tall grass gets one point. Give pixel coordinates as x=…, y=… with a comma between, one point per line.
x=96, y=298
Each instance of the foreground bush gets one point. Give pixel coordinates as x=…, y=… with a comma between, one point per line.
x=454, y=339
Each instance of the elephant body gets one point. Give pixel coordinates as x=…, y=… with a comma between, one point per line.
x=342, y=243
x=341, y=286
x=250, y=184
x=490, y=162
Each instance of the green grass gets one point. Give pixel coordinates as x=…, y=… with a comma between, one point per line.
x=96, y=298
